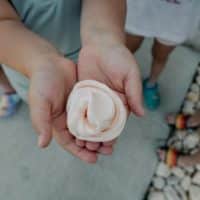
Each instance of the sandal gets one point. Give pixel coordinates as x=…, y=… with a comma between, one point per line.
x=8, y=104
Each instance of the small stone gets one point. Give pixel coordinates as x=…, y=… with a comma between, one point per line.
x=180, y=134
x=172, y=180
x=151, y=189
x=190, y=170
x=198, y=79
x=178, y=172
x=196, y=179
x=191, y=141
x=188, y=108
x=194, y=192
x=198, y=167
x=192, y=96
x=159, y=183
x=171, y=194
x=194, y=151
x=181, y=192
x=156, y=195
x=163, y=170
x=195, y=88
x=198, y=105
x=198, y=70
x=178, y=145
x=186, y=182
x=173, y=141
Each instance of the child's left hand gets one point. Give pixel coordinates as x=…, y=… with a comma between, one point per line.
x=112, y=64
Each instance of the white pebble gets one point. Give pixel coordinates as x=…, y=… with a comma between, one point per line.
x=198, y=105
x=159, y=183
x=178, y=145
x=178, y=172
x=188, y=108
x=181, y=192
x=198, y=167
x=180, y=134
x=192, y=96
x=189, y=170
x=194, y=151
x=195, y=88
x=173, y=140
x=191, y=141
x=163, y=170
x=198, y=70
x=186, y=182
x=194, y=192
x=151, y=189
x=172, y=180
x=171, y=194
x=156, y=196
x=196, y=179
x=198, y=79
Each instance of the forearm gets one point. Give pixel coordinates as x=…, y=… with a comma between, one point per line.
x=103, y=19
x=20, y=48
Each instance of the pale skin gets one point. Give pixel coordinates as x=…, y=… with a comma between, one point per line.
x=160, y=54
x=103, y=56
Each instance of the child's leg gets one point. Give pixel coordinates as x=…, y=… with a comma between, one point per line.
x=160, y=54
x=133, y=42
x=4, y=83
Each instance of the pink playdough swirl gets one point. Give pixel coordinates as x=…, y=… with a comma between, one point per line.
x=95, y=112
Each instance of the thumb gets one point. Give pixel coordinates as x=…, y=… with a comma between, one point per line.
x=40, y=111
x=133, y=91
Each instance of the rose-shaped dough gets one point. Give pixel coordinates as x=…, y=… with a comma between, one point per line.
x=95, y=112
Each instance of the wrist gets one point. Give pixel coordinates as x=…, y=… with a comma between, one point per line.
x=41, y=62
x=100, y=36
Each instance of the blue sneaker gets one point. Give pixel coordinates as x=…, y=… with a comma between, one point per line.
x=151, y=95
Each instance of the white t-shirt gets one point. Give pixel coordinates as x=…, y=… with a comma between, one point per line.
x=172, y=20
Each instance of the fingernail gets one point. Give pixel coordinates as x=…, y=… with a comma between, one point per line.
x=41, y=141
x=140, y=112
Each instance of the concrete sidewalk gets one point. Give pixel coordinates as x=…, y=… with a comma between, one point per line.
x=27, y=172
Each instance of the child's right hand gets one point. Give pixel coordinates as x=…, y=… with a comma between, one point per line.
x=50, y=84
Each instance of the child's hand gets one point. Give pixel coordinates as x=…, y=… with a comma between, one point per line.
x=113, y=65
x=50, y=85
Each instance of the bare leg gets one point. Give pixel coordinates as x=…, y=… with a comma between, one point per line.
x=133, y=42
x=160, y=53
x=4, y=82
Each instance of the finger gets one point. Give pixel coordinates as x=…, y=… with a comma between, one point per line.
x=110, y=143
x=80, y=143
x=92, y=146
x=67, y=142
x=40, y=113
x=124, y=100
x=106, y=150
x=133, y=90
